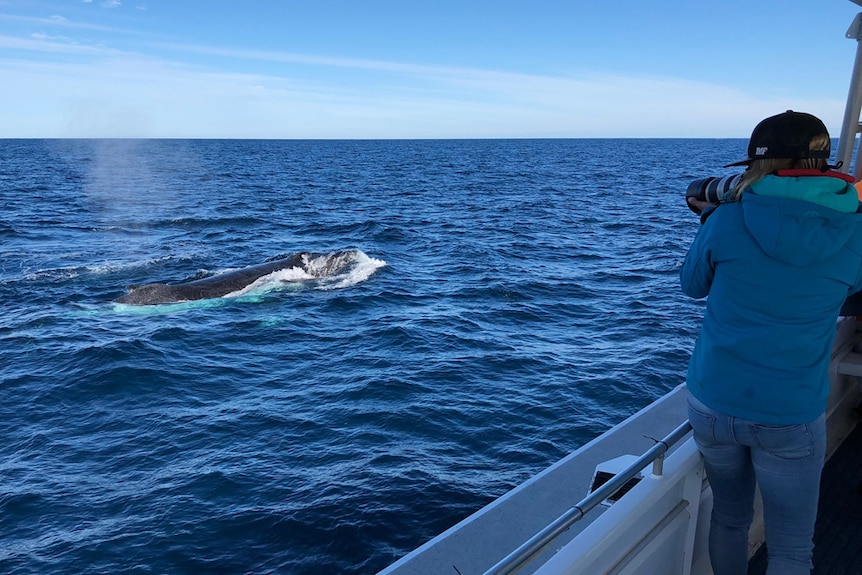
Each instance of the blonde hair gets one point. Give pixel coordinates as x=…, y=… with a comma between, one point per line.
x=760, y=168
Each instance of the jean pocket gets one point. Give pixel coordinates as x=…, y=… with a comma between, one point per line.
x=702, y=425
x=784, y=441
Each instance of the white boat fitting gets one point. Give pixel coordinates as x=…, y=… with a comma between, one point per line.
x=570, y=518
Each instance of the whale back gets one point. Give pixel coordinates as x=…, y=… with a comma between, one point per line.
x=316, y=265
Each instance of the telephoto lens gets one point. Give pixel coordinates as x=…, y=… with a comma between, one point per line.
x=713, y=189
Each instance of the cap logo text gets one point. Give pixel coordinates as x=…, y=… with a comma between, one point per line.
x=760, y=151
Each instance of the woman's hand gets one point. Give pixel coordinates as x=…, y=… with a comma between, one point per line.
x=699, y=205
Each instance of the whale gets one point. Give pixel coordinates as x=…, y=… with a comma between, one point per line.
x=315, y=265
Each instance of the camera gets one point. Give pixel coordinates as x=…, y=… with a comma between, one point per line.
x=713, y=189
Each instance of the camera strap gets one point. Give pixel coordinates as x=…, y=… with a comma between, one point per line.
x=801, y=173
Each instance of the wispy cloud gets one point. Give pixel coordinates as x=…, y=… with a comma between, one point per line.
x=128, y=95
x=38, y=42
x=95, y=90
x=57, y=20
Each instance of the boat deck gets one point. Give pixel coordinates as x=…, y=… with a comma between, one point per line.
x=838, y=532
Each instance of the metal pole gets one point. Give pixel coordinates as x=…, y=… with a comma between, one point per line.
x=850, y=125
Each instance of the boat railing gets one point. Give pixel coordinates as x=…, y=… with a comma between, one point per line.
x=538, y=542
x=850, y=127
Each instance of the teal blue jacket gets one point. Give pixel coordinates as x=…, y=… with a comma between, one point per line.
x=776, y=266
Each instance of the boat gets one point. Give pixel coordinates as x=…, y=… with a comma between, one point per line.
x=636, y=500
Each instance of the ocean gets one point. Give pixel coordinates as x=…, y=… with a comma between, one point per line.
x=510, y=300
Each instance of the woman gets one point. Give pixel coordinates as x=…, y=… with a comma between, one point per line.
x=777, y=265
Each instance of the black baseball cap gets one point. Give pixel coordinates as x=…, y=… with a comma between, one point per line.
x=786, y=135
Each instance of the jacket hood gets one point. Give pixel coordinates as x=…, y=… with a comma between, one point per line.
x=801, y=231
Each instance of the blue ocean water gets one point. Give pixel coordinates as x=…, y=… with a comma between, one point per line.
x=518, y=297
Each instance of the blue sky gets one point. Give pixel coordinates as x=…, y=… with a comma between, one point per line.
x=418, y=69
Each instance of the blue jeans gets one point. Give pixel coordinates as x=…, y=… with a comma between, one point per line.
x=785, y=460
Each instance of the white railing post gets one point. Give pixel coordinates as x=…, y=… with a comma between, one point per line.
x=850, y=125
